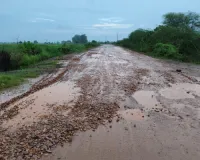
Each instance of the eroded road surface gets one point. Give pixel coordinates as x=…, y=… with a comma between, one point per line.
x=106, y=104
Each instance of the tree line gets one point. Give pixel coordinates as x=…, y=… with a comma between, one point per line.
x=178, y=37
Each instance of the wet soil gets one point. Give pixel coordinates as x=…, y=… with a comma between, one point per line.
x=108, y=103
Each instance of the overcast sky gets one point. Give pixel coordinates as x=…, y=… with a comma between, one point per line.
x=57, y=20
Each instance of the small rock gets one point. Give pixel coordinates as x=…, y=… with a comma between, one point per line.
x=188, y=92
x=135, y=125
x=48, y=151
x=110, y=126
x=178, y=70
x=126, y=128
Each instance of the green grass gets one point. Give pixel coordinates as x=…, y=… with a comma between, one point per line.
x=32, y=65
x=9, y=80
x=17, y=77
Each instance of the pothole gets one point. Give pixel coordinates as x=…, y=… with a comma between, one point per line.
x=132, y=114
x=147, y=99
x=31, y=108
x=181, y=91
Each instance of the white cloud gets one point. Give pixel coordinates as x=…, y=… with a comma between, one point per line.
x=42, y=20
x=112, y=26
x=112, y=19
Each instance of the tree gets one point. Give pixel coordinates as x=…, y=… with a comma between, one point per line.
x=182, y=20
x=194, y=20
x=79, y=39
x=35, y=42
x=83, y=38
x=176, y=19
x=140, y=39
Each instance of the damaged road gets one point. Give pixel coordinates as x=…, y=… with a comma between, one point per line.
x=108, y=103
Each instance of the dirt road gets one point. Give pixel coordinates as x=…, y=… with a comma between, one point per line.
x=107, y=104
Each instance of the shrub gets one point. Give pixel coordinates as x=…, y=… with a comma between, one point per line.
x=30, y=48
x=65, y=49
x=190, y=49
x=15, y=60
x=7, y=81
x=44, y=55
x=91, y=44
x=166, y=50
x=4, y=60
x=28, y=60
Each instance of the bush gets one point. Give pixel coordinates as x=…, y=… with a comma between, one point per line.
x=166, y=50
x=15, y=60
x=91, y=44
x=44, y=55
x=190, y=49
x=65, y=49
x=28, y=60
x=7, y=81
x=4, y=60
x=30, y=48
x=140, y=40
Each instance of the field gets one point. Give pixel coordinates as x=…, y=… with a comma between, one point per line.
x=28, y=60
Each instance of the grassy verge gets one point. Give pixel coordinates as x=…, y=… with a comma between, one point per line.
x=17, y=77
x=24, y=64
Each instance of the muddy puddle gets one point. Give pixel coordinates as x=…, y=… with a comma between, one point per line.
x=16, y=91
x=132, y=114
x=181, y=91
x=114, y=141
x=41, y=104
x=147, y=99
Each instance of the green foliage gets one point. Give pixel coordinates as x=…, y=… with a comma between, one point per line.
x=91, y=44
x=177, y=39
x=27, y=53
x=7, y=81
x=80, y=39
x=4, y=60
x=140, y=39
x=24, y=56
x=166, y=50
x=176, y=19
x=194, y=20
x=30, y=48
x=190, y=20
x=17, y=77
x=191, y=50
x=29, y=59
